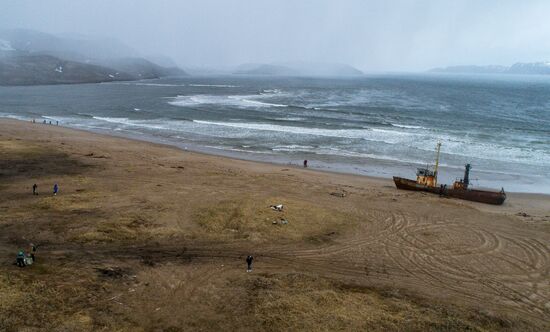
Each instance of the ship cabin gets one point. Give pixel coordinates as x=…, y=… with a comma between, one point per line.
x=463, y=183
x=460, y=185
x=426, y=177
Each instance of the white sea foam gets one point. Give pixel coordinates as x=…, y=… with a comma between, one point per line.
x=406, y=126
x=293, y=147
x=13, y=116
x=158, y=84
x=235, y=149
x=462, y=148
x=215, y=85
x=271, y=92
x=144, y=84
x=255, y=102
x=330, y=151
x=237, y=101
x=55, y=118
x=112, y=120
x=347, y=153
x=379, y=135
x=161, y=125
x=290, y=119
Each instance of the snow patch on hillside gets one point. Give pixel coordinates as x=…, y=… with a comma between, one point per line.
x=5, y=45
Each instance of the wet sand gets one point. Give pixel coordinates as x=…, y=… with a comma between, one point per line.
x=144, y=236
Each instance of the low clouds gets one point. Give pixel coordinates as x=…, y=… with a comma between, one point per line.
x=371, y=35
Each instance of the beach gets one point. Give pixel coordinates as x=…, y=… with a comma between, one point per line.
x=381, y=126
x=145, y=236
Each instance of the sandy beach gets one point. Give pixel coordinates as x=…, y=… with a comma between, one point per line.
x=144, y=236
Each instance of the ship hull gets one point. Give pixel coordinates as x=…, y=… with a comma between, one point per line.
x=482, y=196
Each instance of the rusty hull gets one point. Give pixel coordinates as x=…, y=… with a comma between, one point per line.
x=482, y=196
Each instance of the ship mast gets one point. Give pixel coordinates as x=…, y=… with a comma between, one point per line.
x=437, y=161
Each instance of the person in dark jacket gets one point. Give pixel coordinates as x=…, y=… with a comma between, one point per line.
x=55, y=189
x=34, y=187
x=32, y=252
x=305, y=163
x=21, y=258
x=249, y=260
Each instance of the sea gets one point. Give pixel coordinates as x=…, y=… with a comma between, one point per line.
x=376, y=125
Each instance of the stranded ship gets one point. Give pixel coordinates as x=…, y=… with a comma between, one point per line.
x=426, y=180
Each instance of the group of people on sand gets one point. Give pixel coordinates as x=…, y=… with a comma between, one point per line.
x=23, y=259
x=29, y=258
x=44, y=122
x=35, y=189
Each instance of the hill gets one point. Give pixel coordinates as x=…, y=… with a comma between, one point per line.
x=533, y=68
x=29, y=57
x=265, y=69
x=34, y=69
x=140, y=68
x=298, y=69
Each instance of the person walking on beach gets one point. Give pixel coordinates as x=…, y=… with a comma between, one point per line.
x=55, y=189
x=34, y=187
x=249, y=260
x=21, y=258
x=32, y=252
x=305, y=163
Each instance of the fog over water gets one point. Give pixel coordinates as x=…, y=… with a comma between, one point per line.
x=400, y=35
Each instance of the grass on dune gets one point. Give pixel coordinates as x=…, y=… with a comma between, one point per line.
x=253, y=219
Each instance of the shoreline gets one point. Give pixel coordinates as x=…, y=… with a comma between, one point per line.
x=516, y=203
x=136, y=138
x=272, y=160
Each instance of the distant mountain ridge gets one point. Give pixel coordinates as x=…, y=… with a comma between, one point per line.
x=265, y=69
x=532, y=68
x=29, y=57
x=537, y=68
x=297, y=69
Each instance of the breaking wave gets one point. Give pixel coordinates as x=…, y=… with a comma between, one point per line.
x=406, y=126
x=215, y=85
x=237, y=101
x=374, y=134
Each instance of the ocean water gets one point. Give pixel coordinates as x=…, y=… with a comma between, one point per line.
x=374, y=125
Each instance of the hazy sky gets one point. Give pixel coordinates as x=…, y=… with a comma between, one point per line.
x=371, y=35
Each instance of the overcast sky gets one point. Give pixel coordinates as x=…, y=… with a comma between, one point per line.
x=380, y=35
